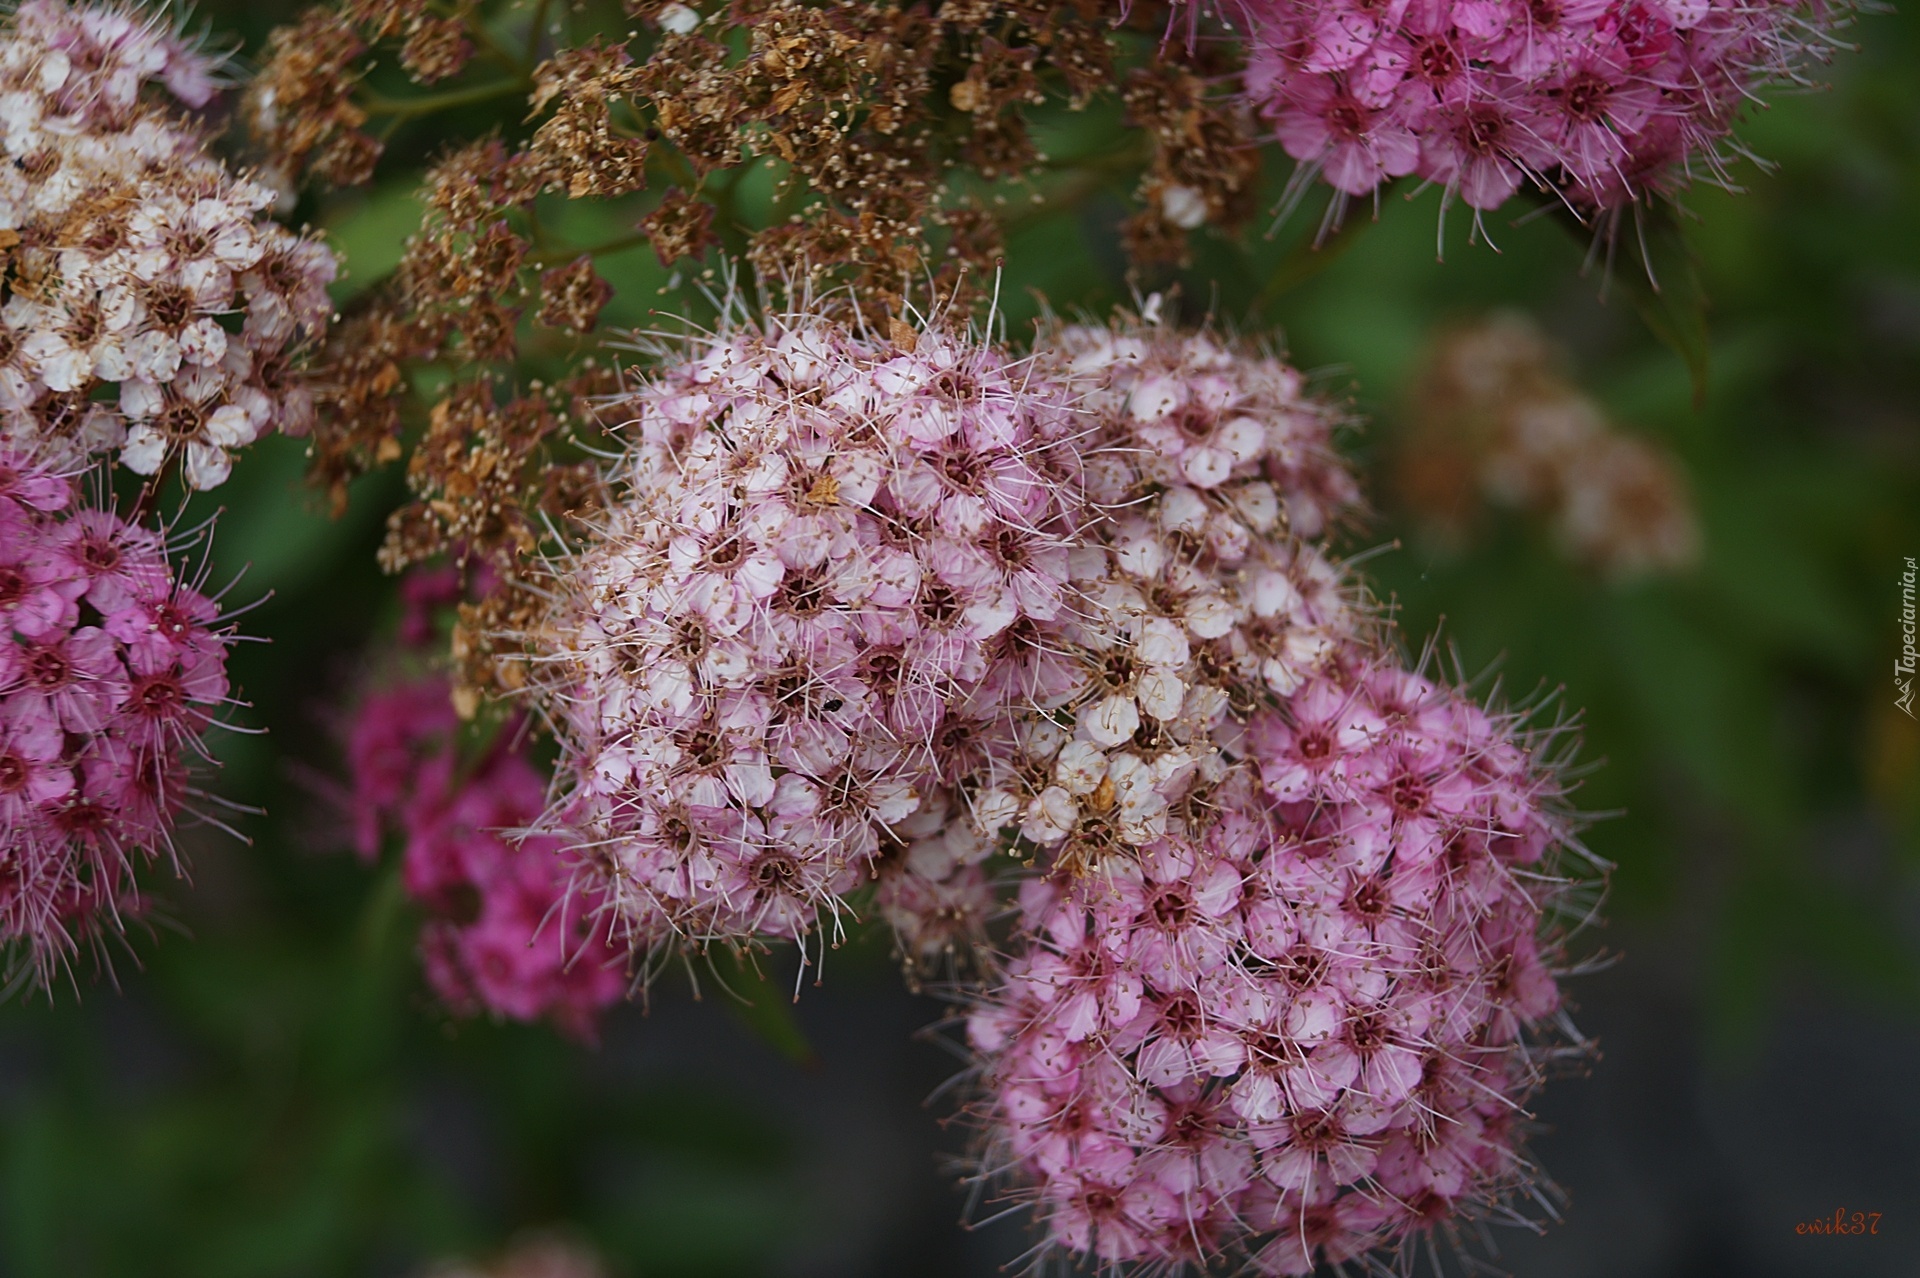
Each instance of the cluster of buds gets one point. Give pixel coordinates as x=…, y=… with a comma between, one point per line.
x=111, y=671
x=1493, y=416
x=1604, y=101
x=151, y=306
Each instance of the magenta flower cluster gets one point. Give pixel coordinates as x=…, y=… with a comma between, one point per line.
x=1297, y=1032
x=111, y=671
x=1604, y=101
x=503, y=933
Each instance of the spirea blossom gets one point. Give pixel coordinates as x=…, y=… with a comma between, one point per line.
x=152, y=306
x=1300, y=1025
x=1605, y=101
x=503, y=933
x=1197, y=587
x=111, y=671
x=823, y=566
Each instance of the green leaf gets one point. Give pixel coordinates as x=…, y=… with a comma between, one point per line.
x=761, y=1004
x=1659, y=271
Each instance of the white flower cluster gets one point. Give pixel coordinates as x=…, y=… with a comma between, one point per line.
x=152, y=306
x=1203, y=459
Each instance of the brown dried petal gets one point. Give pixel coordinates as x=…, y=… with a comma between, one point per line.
x=571, y=296
x=681, y=227
x=436, y=48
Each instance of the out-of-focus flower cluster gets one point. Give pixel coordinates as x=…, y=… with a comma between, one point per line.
x=538, y=1257
x=505, y=931
x=151, y=306
x=1603, y=102
x=111, y=671
x=1297, y=1028
x=1493, y=417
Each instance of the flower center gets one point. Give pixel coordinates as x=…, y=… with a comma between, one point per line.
x=1484, y=131
x=1435, y=61
x=1585, y=97
x=1346, y=119
x=48, y=669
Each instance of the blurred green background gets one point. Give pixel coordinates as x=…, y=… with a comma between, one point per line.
x=270, y=1090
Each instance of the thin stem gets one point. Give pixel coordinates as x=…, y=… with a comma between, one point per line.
x=1307, y=259
x=531, y=59
x=410, y=108
x=556, y=257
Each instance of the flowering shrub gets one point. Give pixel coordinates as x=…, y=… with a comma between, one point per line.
x=844, y=598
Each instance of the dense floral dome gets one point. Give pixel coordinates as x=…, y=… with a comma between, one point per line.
x=136, y=264
x=819, y=551
x=111, y=671
x=1604, y=101
x=1301, y=1024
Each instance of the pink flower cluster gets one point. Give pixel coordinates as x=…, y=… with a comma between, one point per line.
x=111, y=669
x=1195, y=587
x=504, y=934
x=153, y=307
x=854, y=595
x=1293, y=1029
x=1605, y=101
x=824, y=569
x=864, y=610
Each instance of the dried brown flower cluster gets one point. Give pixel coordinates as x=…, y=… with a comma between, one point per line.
x=1203, y=165
x=886, y=128
x=1494, y=419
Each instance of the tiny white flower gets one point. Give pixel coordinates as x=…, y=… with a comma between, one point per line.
x=1043, y=738
x=145, y=449
x=229, y=426
x=1161, y=693
x=1182, y=510
x=1080, y=767
x=1183, y=206
x=1110, y=720
x=1273, y=595
x=1155, y=397
x=993, y=809
x=207, y=466
x=1162, y=643
x=1050, y=816
x=1209, y=616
